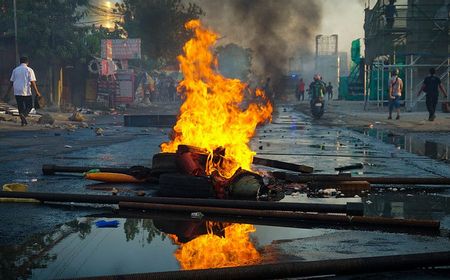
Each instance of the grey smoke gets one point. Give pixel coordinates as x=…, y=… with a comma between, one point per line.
x=275, y=30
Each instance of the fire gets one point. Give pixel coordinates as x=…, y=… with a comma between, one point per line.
x=212, y=116
x=212, y=251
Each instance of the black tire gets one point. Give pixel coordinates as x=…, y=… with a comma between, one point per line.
x=180, y=185
x=164, y=163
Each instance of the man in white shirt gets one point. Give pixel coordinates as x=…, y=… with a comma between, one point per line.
x=22, y=78
x=395, y=93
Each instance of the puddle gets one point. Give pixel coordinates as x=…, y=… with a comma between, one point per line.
x=80, y=249
x=416, y=143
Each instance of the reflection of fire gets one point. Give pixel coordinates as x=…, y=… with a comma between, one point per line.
x=212, y=251
x=212, y=116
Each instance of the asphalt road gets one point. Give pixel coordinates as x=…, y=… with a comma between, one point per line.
x=42, y=241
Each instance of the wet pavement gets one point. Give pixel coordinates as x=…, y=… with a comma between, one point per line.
x=46, y=241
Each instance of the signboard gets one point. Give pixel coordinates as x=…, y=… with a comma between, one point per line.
x=121, y=49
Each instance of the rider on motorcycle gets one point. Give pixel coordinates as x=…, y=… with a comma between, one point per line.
x=317, y=88
x=317, y=91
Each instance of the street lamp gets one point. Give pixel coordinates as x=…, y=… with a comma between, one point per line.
x=15, y=32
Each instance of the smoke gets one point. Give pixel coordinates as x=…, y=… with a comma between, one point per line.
x=275, y=31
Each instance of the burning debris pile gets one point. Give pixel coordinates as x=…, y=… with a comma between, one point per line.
x=213, y=130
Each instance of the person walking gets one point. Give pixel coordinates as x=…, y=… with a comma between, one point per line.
x=301, y=90
x=395, y=92
x=329, y=91
x=22, y=80
x=430, y=86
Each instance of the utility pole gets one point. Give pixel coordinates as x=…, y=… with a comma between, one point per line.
x=15, y=32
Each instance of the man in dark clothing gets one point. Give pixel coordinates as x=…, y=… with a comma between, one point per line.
x=330, y=91
x=430, y=86
x=317, y=88
x=390, y=11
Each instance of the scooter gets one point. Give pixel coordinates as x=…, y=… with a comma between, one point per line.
x=317, y=105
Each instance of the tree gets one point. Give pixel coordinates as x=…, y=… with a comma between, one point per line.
x=46, y=29
x=159, y=24
x=50, y=33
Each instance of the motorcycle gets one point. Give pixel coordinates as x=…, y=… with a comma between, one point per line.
x=317, y=105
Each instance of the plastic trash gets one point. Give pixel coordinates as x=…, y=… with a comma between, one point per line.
x=197, y=215
x=107, y=224
x=16, y=187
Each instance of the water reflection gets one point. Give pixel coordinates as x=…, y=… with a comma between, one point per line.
x=416, y=143
x=92, y=251
x=19, y=260
x=409, y=206
x=138, y=245
x=79, y=249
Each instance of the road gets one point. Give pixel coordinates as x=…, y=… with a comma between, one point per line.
x=42, y=241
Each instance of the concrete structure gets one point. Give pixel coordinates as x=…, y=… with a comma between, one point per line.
x=327, y=60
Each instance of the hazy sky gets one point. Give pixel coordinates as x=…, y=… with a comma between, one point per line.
x=345, y=18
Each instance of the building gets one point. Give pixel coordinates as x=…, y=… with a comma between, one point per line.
x=327, y=60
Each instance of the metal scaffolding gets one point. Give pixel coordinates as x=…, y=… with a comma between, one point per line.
x=415, y=39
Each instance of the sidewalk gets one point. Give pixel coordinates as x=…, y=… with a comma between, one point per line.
x=352, y=114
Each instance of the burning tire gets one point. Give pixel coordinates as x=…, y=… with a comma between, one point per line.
x=179, y=185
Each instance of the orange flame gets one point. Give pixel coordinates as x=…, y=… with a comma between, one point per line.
x=212, y=251
x=212, y=115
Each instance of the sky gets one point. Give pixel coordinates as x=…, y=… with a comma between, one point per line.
x=345, y=18
x=342, y=17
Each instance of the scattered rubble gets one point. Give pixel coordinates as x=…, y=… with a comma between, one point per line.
x=46, y=119
x=77, y=117
x=99, y=131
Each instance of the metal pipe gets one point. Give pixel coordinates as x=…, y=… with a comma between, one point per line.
x=351, y=208
x=313, y=177
x=350, y=266
x=328, y=218
x=50, y=169
x=371, y=180
x=276, y=222
x=16, y=42
x=350, y=167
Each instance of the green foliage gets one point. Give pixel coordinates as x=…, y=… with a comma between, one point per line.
x=160, y=25
x=49, y=29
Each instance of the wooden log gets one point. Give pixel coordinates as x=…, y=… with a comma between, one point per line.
x=283, y=165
